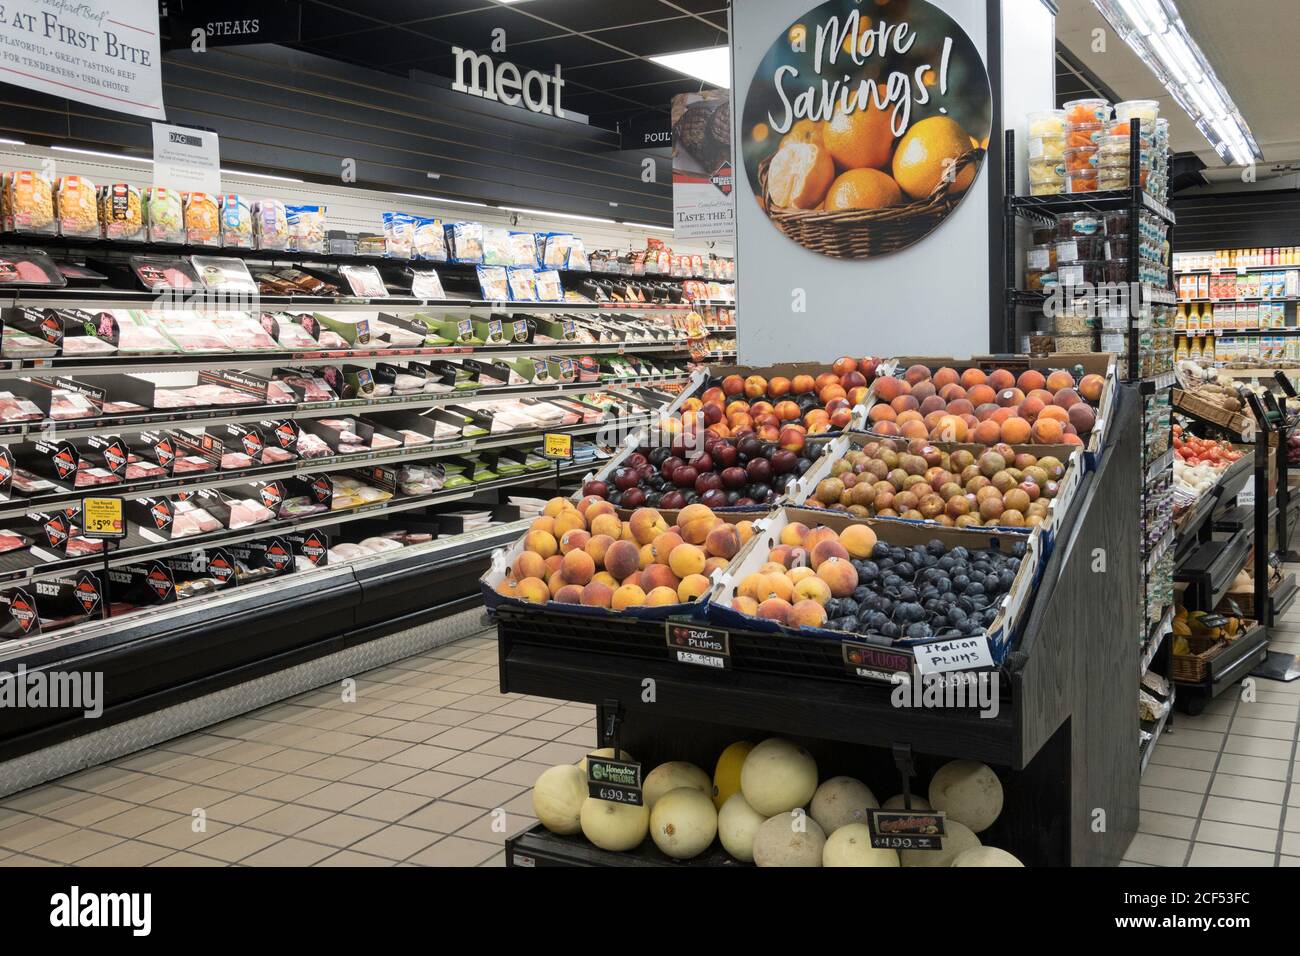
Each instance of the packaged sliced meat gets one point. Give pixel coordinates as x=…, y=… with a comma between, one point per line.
x=313, y=389
x=86, y=345
x=312, y=446
x=137, y=335
x=123, y=408
x=330, y=340
x=299, y=507
x=364, y=281
x=345, y=551
x=93, y=477
x=67, y=406
x=370, y=495
x=351, y=448
x=410, y=437
x=395, y=337
x=212, y=394
x=379, y=545
x=189, y=332
x=379, y=442
x=26, y=483
x=276, y=456
x=246, y=512
x=160, y=273
x=233, y=460
x=12, y=541
x=205, y=521
x=79, y=547
x=243, y=332
x=190, y=464
x=418, y=479
x=137, y=469
x=294, y=336
x=278, y=393
x=20, y=344
x=15, y=409
x=174, y=398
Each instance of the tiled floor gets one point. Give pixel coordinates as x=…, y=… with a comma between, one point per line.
x=431, y=766
x=1223, y=789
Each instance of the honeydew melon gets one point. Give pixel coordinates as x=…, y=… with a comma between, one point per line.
x=778, y=776
x=614, y=826
x=840, y=801
x=738, y=824
x=850, y=845
x=789, y=839
x=896, y=803
x=671, y=775
x=683, y=822
x=969, y=792
x=558, y=796
x=957, y=839
x=986, y=856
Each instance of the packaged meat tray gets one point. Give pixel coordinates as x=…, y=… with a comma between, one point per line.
x=66, y=405
x=276, y=456
x=87, y=346
x=26, y=483
x=394, y=336
x=379, y=545
x=95, y=477
x=194, y=521
x=312, y=446
x=189, y=332
x=191, y=465
x=137, y=469
x=278, y=393
x=123, y=408
x=345, y=551
x=300, y=507
x=137, y=335
x=13, y=541
x=79, y=275
x=234, y=460
x=364, y=281
x=224, y=273
x=312, y=389
x=79, y=547
x=25, y=267
x=292, y=336
x=161, y=273
x=425, y=284
x=242, y=332
x=20, y=344
x=246, y=512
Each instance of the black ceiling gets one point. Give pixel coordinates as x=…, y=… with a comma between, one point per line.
x=602, y=45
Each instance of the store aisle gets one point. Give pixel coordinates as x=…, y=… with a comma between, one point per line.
x=431, y=766
x=1224, y=788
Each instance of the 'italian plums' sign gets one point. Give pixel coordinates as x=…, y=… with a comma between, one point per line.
x=865, y=125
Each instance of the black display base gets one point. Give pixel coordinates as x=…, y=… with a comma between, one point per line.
x=1227, y=669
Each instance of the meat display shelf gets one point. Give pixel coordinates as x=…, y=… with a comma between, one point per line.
x=246, y=301
x=136, y=547
x=199, y=418
x=202, y=481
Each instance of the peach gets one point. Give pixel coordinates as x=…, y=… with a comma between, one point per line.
x=745, y=529
x=723, y=541
x=543, y=523
x=605, y=578
x=629, y=595
x=663, y=545
x=1067, y=398
x=658, y=576
x=887, y=388
x=529, y=564
x=1068, y=439
x=825, y=550
x=812, y=588
x=733, y=385
x=950, y=393
x=661, y=597
x=772, y=568
x=981, y=395
x=509, y=587
x=534, y=591
x=597, y=547
x=775, y=609
x=781, y=585
x=1090, y=387
x=695, y=522
x=569, y=521
x=840, y=576
x=1082, y=418
x=932, y=405
x=692, y=586
x=622, y=559
x=647, y=524
x=960, y=406
x=541, y=542
x=952, y=428
x=1011, y=397
x=916, y=373
x=1015, y=431
x=817, y=535
x=556, y=506
x=914, y=429
x=755, y=387
x=569, y=594
x=555, y=582
x=645, y=556
x=945, y=376
x=575, y=540
x=1031, y=379
x=972, y=377
x=607, y=524
x=882, y=413
x=755, y=586
x=627, y=534
x=1055, y=412
x=905, y=403
x=1058, y=380
x=686, y=560
x=1030, y=408
x=987, y=432
x=585, y=504
x=781, y=555
x=553, y=564
x=578, y=568
x=794, y=533
x=991, y=508
x=800, y=573
x=714, y=564
x=745, y=605
x=1048, y=431
x=858, y=540
x=806, y=614
x=923, y=390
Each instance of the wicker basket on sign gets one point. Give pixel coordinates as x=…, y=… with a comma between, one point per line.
x=865, y=233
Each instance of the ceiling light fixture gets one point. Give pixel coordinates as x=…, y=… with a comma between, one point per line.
x=712, y=65
x=441, y=199
x=12, y=142
x=1157, y=34
x=557, y=215
x=646, y=225
x=240, y=172
x=113, y=156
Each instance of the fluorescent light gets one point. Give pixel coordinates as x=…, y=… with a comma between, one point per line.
x=240, y=172
x=441, y=199
x=12, y=142
x=712, y=65
x=646, y=225
x=557, y=215
x=113, y=156
x=1156, y=32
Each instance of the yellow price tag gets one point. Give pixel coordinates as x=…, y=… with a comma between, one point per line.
x=103, y=518
x=557, y=447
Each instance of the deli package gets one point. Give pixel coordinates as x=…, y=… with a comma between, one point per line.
x=121, y=212
x=236, y=222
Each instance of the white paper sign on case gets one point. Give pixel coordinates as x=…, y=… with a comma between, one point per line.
x=101, y=52
x=186, y=159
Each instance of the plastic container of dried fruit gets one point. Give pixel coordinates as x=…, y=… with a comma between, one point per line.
x=1083, y=181
x=1045, y=123
x=1148, y=111
x=1086, y=111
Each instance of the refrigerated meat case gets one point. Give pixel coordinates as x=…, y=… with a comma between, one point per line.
x=176, y=651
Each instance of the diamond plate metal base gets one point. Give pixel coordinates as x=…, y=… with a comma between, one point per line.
x=101, y=746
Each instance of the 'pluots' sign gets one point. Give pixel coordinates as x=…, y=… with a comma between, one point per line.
x=865, y=125
x=478, y=75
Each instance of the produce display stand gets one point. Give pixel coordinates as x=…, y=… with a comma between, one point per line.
x=1064, y=706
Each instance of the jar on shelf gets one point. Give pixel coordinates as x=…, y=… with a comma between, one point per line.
x=1087, y=111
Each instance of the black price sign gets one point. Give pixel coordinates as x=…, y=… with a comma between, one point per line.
x=905, y=829
x=699, y=645
x=617, y=781
x=872, y=662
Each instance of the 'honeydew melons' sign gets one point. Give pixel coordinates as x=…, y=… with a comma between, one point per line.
x=865, y=125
